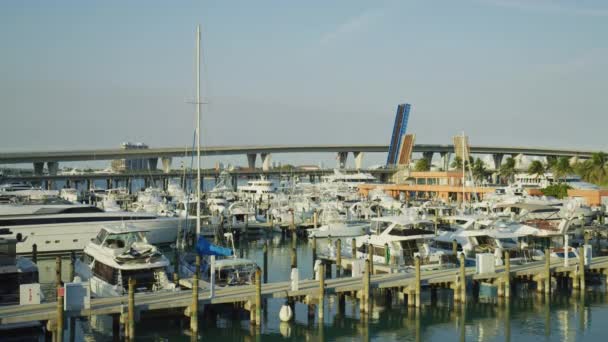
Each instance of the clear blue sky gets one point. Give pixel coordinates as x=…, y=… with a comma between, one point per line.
x=517, y=72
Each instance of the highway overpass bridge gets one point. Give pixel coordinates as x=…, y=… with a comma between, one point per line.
x=165, y=154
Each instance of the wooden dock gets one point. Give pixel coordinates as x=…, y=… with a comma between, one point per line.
x=312, y=292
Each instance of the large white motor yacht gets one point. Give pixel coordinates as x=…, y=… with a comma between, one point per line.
x=120, y=252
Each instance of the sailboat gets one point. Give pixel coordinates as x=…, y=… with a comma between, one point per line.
x=229, y=270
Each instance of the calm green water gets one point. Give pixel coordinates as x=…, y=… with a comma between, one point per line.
x=529, y=317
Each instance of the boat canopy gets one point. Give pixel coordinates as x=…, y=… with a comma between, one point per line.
x=204, y=247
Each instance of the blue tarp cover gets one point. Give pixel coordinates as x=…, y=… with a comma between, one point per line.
x=203, y=247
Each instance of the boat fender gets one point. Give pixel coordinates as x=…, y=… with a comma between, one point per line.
x=285, y=314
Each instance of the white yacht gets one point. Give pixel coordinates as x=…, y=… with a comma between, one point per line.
x=336, y=225
x=258, y=189
x=70, y=194
x=352, y=180
x=62, y=228
x=120, y=252
x=405, y=237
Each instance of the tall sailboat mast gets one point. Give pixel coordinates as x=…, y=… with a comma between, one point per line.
x=198, y=130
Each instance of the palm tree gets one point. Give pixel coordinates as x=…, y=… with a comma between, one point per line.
x=422, y=165
x=507, y=169
x=457, y=163
x=537, y=169
x=561, y=168
x=479, y=170
x=598, y=167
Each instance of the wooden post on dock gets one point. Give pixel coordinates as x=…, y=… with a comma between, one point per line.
x=194, y=305
x=294, y=258
x=417, y=265
x=58, y=271
x=586, y=237
x=265, y=264
x=35, y=253
x=314, y=250
x=315, y=218
x=258, y=296
x=364, y=307
x=463, y=280
x=454, y=247
x=370, y=257
x=353, y=248
x=547, y=271
x=507, y=275
x=59, y=327
x=321, y=291
x=338, y=258
x=131, y=316
x=581, y=258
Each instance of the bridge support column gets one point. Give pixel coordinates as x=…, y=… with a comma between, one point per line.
x=358, y=160
x=251, y=160
x=166, y=162
x=428, y=156
x=342, y=156
x=497, y=157
x=38, y=168
x=53, y=167
x=266, y=165
x=152, y=164
x=445, y=160
x=573, y=160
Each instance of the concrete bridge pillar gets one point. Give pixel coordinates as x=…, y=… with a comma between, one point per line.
x=342, y=156
x=358, y=160
x=428, y=156
x=53, y=167
x=251, y=160
x=152, y=164
x=38, y=168
x=519, y=161
x=166, y=162
x=445, y=160
x=573, y=160
x=266, y=165
x=497, y=157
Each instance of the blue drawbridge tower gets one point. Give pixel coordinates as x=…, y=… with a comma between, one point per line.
x=401, y=118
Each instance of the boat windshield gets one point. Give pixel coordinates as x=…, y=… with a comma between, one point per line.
x=123, y=240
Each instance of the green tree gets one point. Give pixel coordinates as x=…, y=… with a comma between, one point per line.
x=507, y=169
x=599, y=172
x=561, y=168
x=422, y=165
x=536, y=168
x=456, y=163
x=556, y=190
x=479, y=170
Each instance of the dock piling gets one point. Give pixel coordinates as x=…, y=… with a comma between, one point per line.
x=364, y=306
x=338, y=258
x=507, y=292
x=59, y=326
x=353, y=248
x=463, y=280
x=314, y=250
x=58, y=271
x=321, y=291
x=258, y=296
x=131, y=316
x=581, y=258
x=294, y=258
x=547, y=271
x=265, y=262
x=72, y=262
x=418, y=289
x=194, y=305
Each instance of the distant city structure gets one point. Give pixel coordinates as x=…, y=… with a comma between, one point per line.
x=130, y=164
x=399, y=129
